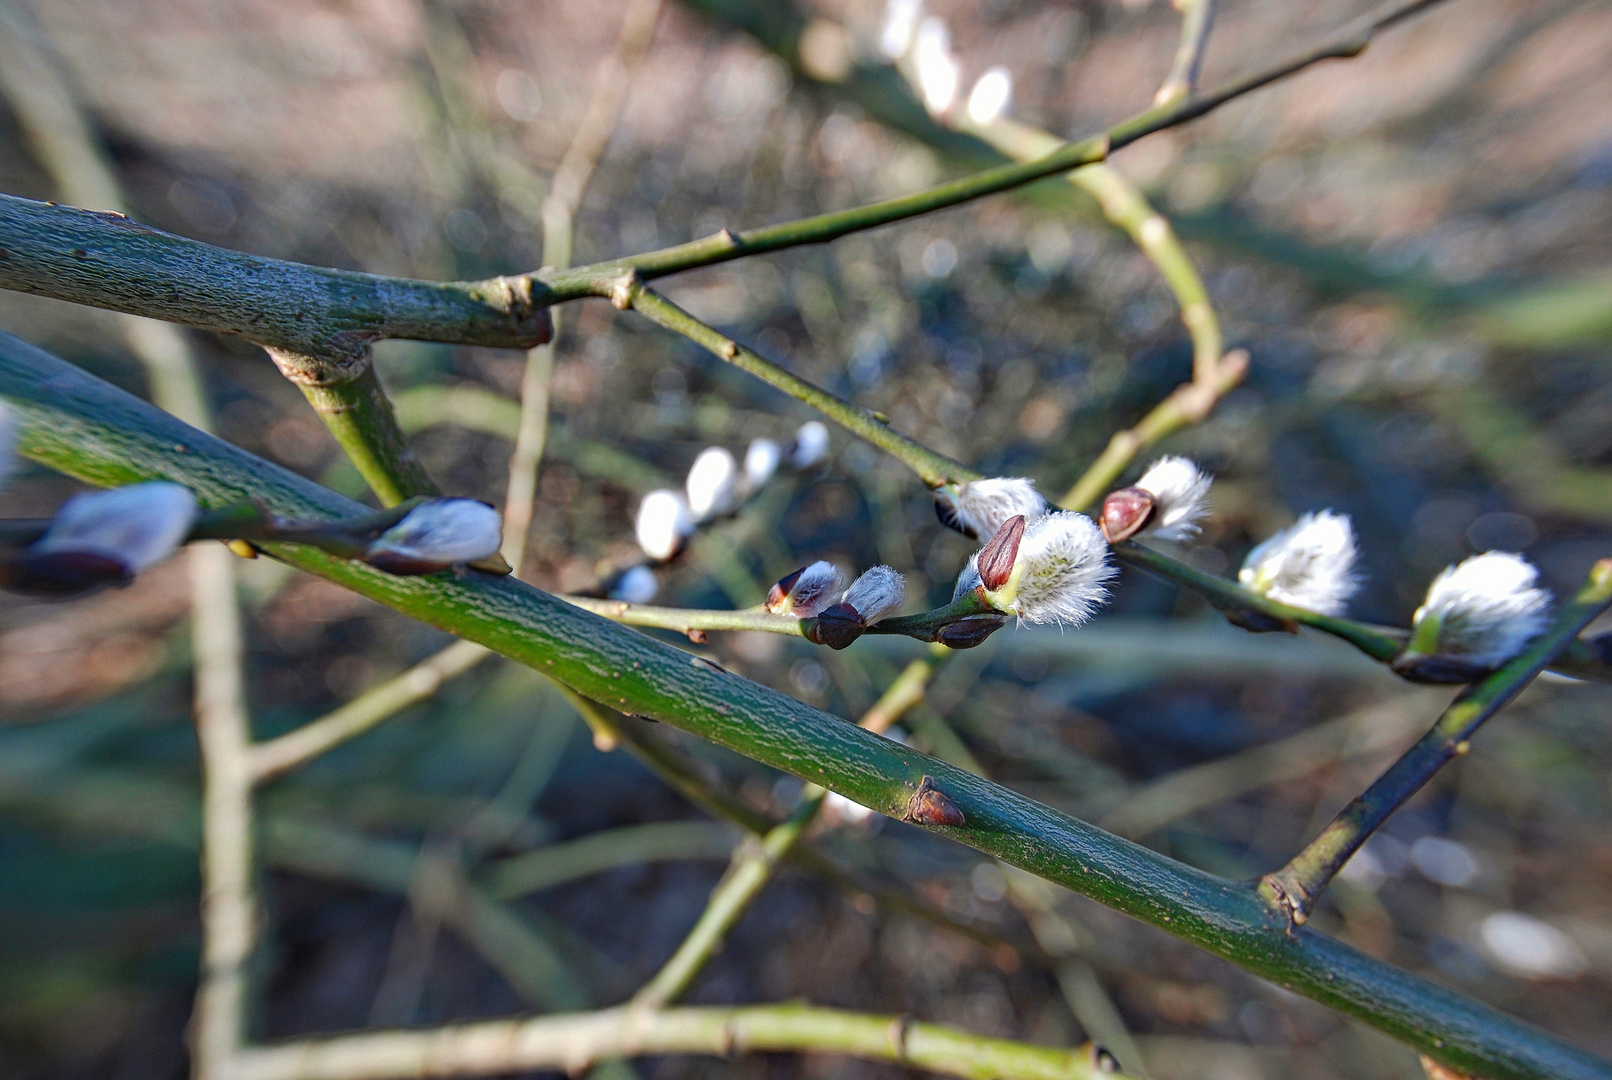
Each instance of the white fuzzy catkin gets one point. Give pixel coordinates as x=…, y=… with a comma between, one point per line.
x=761, y=462
x=1488, y=608
x=444, y=531
x=1179, y=489
x=712, y=481
x=138, y=526
x=1309, y=565
x=877, y=593
x=937, y=69
x=818, y=587
x=969, y=579
x=810, y=445
x=1062, y=572
x=984, y=505
x=663, y=523
x=638, y=585
x=991, y=94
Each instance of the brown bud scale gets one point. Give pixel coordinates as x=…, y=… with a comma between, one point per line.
x=996, y=558
x=931, y=806
x=1125, y=512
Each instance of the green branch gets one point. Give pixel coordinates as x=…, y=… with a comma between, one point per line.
x=83, y=426
x=108, y=261
x=924, y=626
x=570, y=1043
x=935, y=469
x=1300, y=883
x=599, y=279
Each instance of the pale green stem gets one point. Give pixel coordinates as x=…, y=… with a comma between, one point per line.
x=570, y=1043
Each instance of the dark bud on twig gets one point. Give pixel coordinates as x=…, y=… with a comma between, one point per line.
x=836, y=627
x=1257, y=622
x=931, y=806
x=1102, y=1060
x=946, y=511
x=1125, y=512
x=1438, y=670
x=65, y=573
x=970, y=632
x=782, y=588
x=996, y=558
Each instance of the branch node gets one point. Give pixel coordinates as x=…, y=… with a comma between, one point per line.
x=625, y=289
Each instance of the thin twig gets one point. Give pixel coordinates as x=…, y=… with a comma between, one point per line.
x=62, y=138
x=934, y=469
x=559, y=215
x=570, y=1043
x=1299, y=884
x=1197, y=18
x=303, y=309
x=754, y=860
x=283, y=753
x=1186, y=791
x=599, y=279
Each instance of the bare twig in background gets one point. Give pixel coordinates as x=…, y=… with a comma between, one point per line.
x=72, y=154
x=572, y=1042
x=566, y=188
x=1197, y=18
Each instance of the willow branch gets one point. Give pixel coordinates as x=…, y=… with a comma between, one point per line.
x=107, y=261
x=62, y=140
x=521, y=875
x=935, y=469
x=80, y=425
x=924, y=626
x=559, y=216
x=1186, y=791
x=1299, y=884
x=1197, y=18
x=570, y=1043
x=1382, y=643
x=599, y=279
x=755, y=859
x=295, y=748
x=688, y=780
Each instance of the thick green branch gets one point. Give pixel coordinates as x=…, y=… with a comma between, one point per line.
x=105, y=260
x=83, y=426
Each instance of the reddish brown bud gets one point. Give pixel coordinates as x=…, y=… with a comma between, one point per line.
x=930, y=806
x=781, y=589
x=1125, y=512
x=997, y=557
x=836, y=627
x=967, y=633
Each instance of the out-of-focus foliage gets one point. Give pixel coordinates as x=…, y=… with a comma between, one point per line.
x=1413, y=246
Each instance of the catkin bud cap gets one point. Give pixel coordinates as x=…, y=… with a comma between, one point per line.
x=1125, y=512
x=435, y=535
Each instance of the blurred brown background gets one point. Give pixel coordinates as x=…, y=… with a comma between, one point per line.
x=1414, y=246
